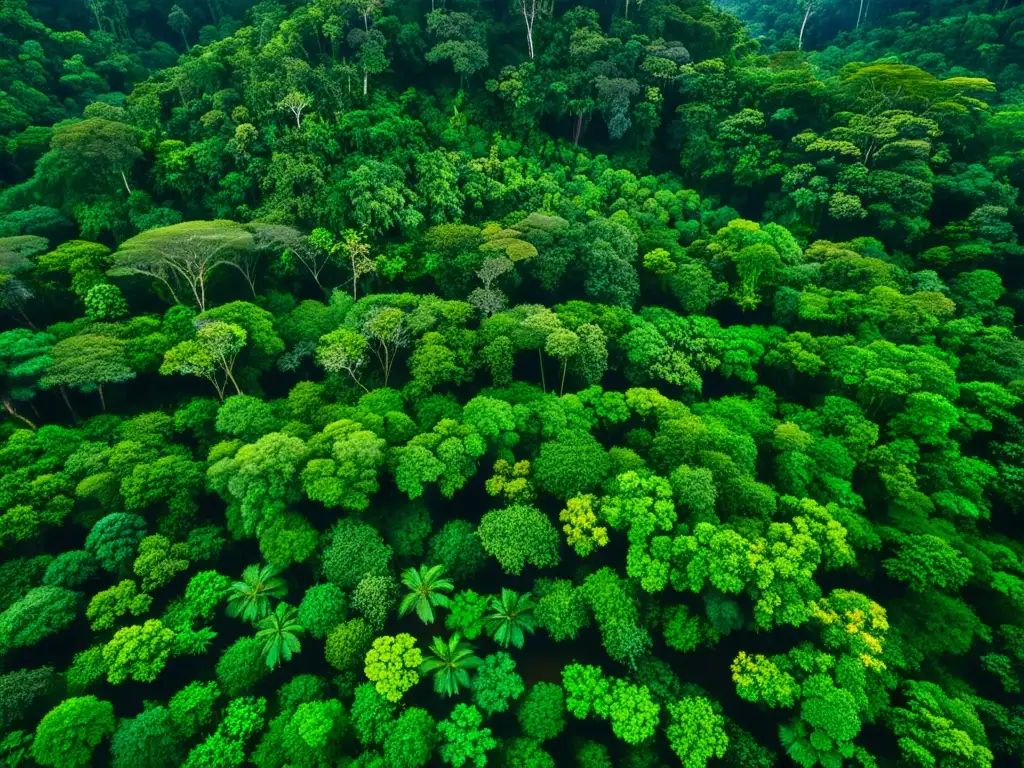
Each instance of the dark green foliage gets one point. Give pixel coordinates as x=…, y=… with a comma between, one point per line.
x=18, y=691
x=411, y=739
x=323, y=607
x=542, y=712
x=458, y=548
x=241, y=666
x=356, y=550
x=366, y=305
x=149, y=740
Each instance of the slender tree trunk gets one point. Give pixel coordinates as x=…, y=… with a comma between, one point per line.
x=803, y=26
x=528, y=20
x=187, y=46
x=565, y=365
x=10, y=409
x=125, y=180
x=21, y=311
x=103, y=400
x=32, y=405
x=357, y=381
x=860, y=14
x=64, y=395
x=231, y=378
x=366, y=81
x=543, y=381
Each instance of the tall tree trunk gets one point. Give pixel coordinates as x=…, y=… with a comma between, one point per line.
x=64, y=395
x=366, y=81
x=543, y=381
x=803, y=26
x=125, y=180
x=565, y=365
x=103, y=400
x=10, y=409
x=187, y=46
x=860, y=14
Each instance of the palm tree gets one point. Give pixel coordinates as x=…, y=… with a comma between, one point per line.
x=511, y=619
x=426, y=591
x=250, y=597
x=450, y=664
x=279, y=632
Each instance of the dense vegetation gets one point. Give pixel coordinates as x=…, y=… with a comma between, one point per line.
x=458, y=383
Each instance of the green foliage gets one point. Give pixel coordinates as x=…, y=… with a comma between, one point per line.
x=249, y=599
x=695, y=732
x=391, y=665
x=356, y=550
x=68, y=733
x=518, y=536
x=450, y=663
x=139, y=652
x=279, y=632
x=192, y=708
x=465, y=738
x=426, y=591
x=40, y=613
x=149, y=740
x=511, y=618
x=542, y=712
x=241, y=666
x=497, y=683
x=411, y=740
x=348, y=643
x=323, y=608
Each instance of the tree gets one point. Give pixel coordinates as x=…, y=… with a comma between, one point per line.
x=159, y=561
x=462, y=40
x=184, y=256
x=355, y=550
x=259, y=481
x=511, y=618
x=87, y=363
x=111, y=604
x=497, y=683
x=427, y=588
x=343, y=350
x=139, y=652
x=192, y=708
x=372, y=715
x=70, y=732
x=458, y=548
x=411, y=740
x=542, y=713
x=279, y=632
x=529, y=11
x=465, y=738
x=114, y=540
x=96, y=149
x=241, y=666
x=322, y=609
x=148, y=740
x=935, y=728
x=249, y=599
x=347, y=644
x=695, y=732
x=296, y=103
x=179, y=21
x=24, y=358
x=519, y=535
x=391, y=665
x=215, y=347
x=450, y=663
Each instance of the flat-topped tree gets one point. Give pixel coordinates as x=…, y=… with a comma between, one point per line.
x=184, y=256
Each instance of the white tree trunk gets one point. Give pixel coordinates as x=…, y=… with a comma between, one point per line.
x=804, y=25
